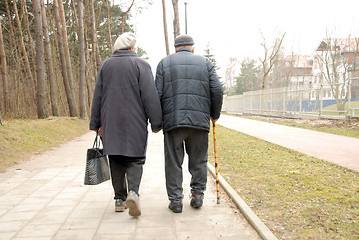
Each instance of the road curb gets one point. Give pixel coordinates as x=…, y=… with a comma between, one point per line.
x=247, y=212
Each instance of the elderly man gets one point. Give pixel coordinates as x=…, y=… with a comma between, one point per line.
x=125, y=98
x=190, y=95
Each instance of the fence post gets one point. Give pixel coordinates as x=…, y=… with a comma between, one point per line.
x=349, y=97
x=321, y=100
x=251, y=103
x=283, y=102
x=300, y=101
x=260, y=101
x=243, y=103
x=271, y=101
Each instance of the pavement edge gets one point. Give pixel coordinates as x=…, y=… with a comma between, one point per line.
x=247, y=212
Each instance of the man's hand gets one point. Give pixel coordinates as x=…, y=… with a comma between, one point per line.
x=214, y=120
x=99, y=131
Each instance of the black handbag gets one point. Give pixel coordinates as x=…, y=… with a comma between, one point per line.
x=97, y=169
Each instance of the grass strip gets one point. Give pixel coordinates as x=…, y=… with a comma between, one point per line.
x=349, y=128
x=295, y=195
x=20, y=139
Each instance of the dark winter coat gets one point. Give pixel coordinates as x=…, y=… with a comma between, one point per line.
x=125, y=98
x=189, y=90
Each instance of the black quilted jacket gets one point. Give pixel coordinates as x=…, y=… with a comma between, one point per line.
x=189, y=91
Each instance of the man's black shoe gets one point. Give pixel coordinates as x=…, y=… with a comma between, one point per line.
x=176, y=207
x=197, y=201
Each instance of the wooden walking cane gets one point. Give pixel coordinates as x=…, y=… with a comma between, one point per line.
x=215, y=157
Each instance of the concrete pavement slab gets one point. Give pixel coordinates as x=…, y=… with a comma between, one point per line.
x=44, y=198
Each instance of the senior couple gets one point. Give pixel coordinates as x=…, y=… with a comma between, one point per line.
x=184, y=97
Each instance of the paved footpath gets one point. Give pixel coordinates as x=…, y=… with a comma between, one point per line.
x=45, y=198
x=334, y=148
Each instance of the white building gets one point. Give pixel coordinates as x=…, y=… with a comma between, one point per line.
x=333, y=64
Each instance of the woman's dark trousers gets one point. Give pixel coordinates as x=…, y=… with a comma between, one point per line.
x=125, y=172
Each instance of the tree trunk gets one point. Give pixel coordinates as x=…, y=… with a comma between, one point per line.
x=270, y=55
x=73, y=110
x=124, y=15
x=31, y=41
x=95, y=51
x=75, y=14
x=176, y=26
x=23, y=49
x=83, y=108
x=15, y=60
x=0, y=114
x=68, y=90
x=88, y=70
x=165, y=27
x=6, y=100
x=48, y=55
x=109, y=24
x=40, y=71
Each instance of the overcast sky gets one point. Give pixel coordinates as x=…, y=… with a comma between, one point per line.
x=232, y=27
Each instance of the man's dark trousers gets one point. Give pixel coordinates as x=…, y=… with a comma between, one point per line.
x=125, y=171
x=195, y=142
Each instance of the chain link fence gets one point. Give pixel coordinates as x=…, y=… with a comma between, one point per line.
x=321, y=101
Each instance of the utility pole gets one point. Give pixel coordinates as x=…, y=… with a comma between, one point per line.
x=185, y=11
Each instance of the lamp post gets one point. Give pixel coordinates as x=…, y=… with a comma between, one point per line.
x=185, y=19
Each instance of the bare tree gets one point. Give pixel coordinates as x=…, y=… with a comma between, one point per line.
x=109, y=24
x=40, y=71
x=23, y=49
x=68, y=89
x=32, y=54
x=336, y=58
x=95, y=49
x=270, y=55
x=67, y=55
x=83, y=105
x=165, y=27
x=6, y=99
x=74, y=13
x=49, y=64
x=15, y=57
x=230, y=75
x=124, y=15
x=282, y=71
x=89, y=69
x=60, y=66
x=176, y=26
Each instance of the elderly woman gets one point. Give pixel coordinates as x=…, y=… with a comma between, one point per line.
x=125, y=98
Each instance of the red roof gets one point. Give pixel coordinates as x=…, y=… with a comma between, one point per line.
x=339, y=44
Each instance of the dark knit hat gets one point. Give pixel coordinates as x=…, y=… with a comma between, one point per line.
x=183, y=40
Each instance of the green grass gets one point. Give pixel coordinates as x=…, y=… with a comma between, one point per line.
x=20, y=139
x=332, y=110
x=334, y=107
x=295, y=195
x=339, y=128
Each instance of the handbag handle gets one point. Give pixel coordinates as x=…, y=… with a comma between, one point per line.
x=97, y=143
